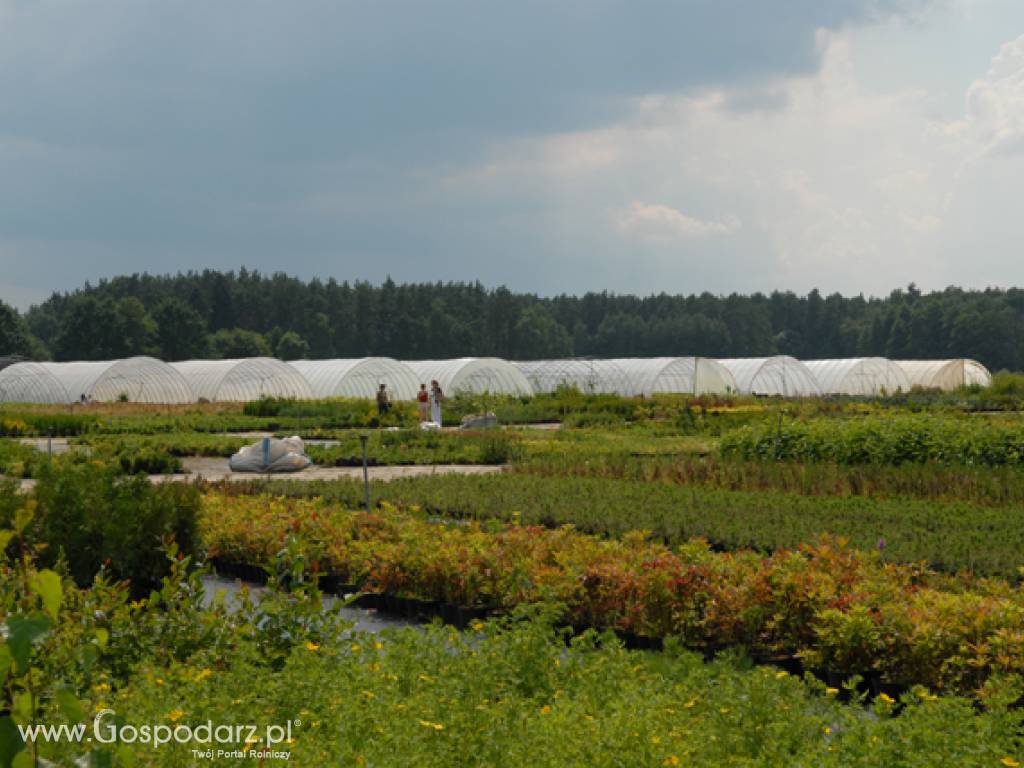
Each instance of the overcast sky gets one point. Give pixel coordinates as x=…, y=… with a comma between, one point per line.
x=557, y=146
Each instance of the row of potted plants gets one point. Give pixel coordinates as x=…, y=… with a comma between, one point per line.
x=835, y=608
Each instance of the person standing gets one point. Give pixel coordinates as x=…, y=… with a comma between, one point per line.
x=423, y=401
x=436, y=397
x=383, y=402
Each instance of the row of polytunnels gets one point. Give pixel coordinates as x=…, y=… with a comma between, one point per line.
x=147, y=380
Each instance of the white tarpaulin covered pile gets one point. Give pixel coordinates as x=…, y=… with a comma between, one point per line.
x=271, y=455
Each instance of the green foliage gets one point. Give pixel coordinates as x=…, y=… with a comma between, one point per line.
x=291, y=346
x=511, y=692
x=15, y=337
x=883, y=439
x=93, y=519
x=18, y=460
x=950, y=536
x=331, y=413
x=181, y=330
x=453, y=319
x=838, y=609
x=238, y=342
x=415, y=446
x=1003, y=485
x=24, y=423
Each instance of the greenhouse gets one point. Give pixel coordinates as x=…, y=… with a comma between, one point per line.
x=358, y=377
x=243, y=380
x=779, y=375
x=9, y=360
x=588, y=376
x=475, y=375
x=946, y=375
x=683, y=375
x=136, y=379
x=865, y=376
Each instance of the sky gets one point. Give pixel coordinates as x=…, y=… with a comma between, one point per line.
x=553, y=147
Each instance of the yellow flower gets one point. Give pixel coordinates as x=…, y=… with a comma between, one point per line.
x=671, y=760
x=101, y=687
x=831, y=691
x=690, y=704
x=781, y=674
x=477, y=626
x=435, y=726
x=355, y=648
x=887, y=698
x=175, y=715
x=311, y=646
x=826, y=730
x=545, y=710
x=1009, y=762
x=378, y=645
x=202, y=674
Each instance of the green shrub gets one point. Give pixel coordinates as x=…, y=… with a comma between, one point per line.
x=21, y=423
x=17, y=460
x=500, y=449
x=93, y=517
x=891, y=439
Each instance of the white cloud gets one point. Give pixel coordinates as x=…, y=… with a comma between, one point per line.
x=995, y=103
x=836, y=185
x=663, y=223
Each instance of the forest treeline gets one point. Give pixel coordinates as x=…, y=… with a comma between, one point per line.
x=246, y=313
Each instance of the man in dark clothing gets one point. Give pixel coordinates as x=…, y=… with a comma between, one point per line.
x=383, y=403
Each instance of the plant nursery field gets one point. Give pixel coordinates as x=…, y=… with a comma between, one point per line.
x=649, y=582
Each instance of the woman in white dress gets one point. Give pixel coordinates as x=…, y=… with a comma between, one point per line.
x=436, y=397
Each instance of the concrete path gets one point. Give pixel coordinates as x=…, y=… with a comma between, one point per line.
x=216, y=470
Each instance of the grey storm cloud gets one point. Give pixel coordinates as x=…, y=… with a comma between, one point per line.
x=158, y=135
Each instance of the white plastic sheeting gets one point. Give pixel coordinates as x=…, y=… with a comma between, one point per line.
x=271, y=455
x=472, y=374
x=243, y=380
x=136, y=379
x=684, y=375
x=358, y=377
x=865, y=376
x=590, y=376
x=779, y=375
x=31, y=383
x=946, y=375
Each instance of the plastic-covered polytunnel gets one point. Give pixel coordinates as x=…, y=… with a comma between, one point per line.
x=358, y=377
x=31, y=383
x=589, y=376
x=9, y=360
x=472, y=374
x=866, y=376
x=683, y=375
x=243, y=380
x=136, y=379
x=946, y=375
x=779, y=375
